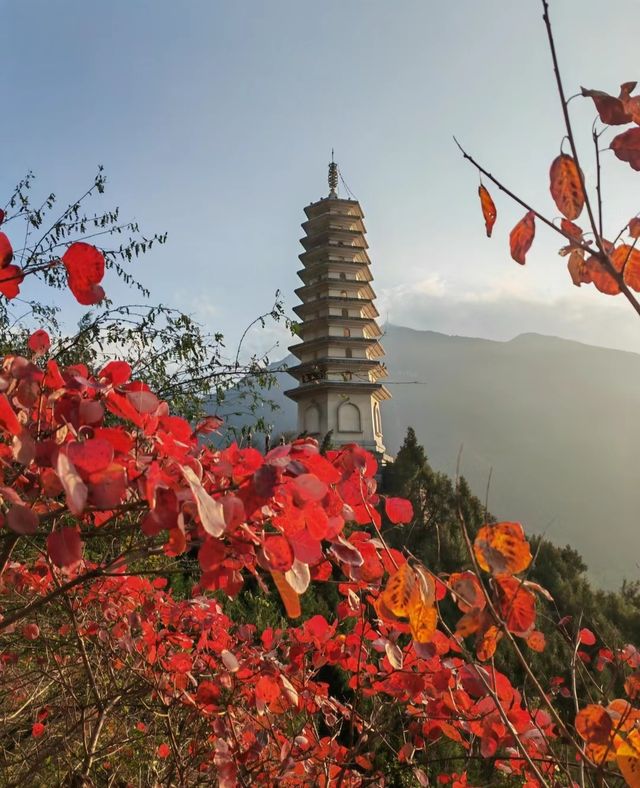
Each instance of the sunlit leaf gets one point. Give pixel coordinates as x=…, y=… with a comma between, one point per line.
x=290, y=598
x=398, y=591
x=488, y=209
x=521, y=237
x=566, y=187
x=398, y=510
x=39, y=342
x=628, y=759
x=85, y=270
x=6, y=251
x=502, y=548
x=210, y=511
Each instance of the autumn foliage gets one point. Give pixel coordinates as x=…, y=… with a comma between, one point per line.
x=112, y=674
x=103, y=490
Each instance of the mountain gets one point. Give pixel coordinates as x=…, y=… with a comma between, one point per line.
x=551, y=425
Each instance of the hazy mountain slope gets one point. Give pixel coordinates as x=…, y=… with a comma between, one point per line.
x=557, y=421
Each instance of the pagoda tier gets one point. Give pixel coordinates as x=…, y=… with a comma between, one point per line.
x=339, y=372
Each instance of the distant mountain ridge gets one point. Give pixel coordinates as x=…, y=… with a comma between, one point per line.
x=555, y=422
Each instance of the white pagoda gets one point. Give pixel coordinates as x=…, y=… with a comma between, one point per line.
x=340, y=369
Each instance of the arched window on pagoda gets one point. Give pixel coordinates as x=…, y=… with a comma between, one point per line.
x=312, y=419
x=349, y=418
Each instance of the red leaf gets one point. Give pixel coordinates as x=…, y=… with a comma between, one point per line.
x=2, y=215
x=116, y=372
x=8, y=419
x=517, y=605
x=566, y=187
x=6, y=252
x=164, y=750
x=488, y=209
x=75, y=489
x=107, y=487
x=586, y=637
x=37, y=730
x=10, y=280
x=31, y=631
x=521, y=237
x=207, y=425
x=398, y=510
x=210, y=511
x=22, y=520
x=630, y=103
x=211, y=554
x=85, y=269
x=65, y=547
x=143, y=401
x=610, y=109
x=91, y=455
x=39, y=342
x=626, y=147
x=634, y=227
x=267, y=689
x=309, y=488
x=278, y=553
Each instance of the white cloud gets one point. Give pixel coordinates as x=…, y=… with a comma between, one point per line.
x=506, y=308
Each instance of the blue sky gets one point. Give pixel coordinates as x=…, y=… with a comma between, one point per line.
x=215, y=120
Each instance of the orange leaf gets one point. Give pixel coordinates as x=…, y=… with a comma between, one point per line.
x=610, y=109
x=502, y=548
x=517, y=605
x=600, y=277
x=467, y=591
x=594, y=724
x=521, y=237
x=290, y=599
x=626, y=147
x=399, y=589
x=634, y=227
x=423, y=616
x=488, y=643
x=571, y=229
x=536, y=641
x=577, y=269
x=630, y=265
x=423, y=620
x=628, y=759
x=632, y=685
x=471, y=622
x=566, y=187
x=488, y=209
x=586, y=637
x=630, y=103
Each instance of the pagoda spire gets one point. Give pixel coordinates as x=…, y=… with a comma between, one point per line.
x=340, y=370
x=333, y=177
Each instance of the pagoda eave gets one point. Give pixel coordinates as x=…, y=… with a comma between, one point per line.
x=377, y=390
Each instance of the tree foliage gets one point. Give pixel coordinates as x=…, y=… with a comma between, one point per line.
x=175, y=613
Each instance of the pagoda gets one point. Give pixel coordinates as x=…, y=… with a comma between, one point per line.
x=340, y=369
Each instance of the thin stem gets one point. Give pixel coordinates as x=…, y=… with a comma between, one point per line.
x=594, y=137
x=600, y=255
